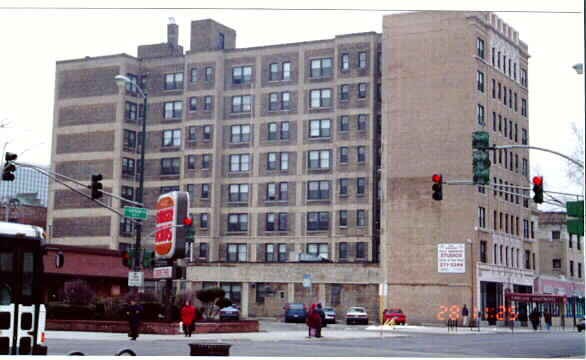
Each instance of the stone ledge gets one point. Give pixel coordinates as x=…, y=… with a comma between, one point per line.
x=153, y=327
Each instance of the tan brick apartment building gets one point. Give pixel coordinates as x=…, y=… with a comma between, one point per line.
x=283, y=147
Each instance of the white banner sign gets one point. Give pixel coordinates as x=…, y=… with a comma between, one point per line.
x=451, y=258
x=135, y=278
x=165, y=272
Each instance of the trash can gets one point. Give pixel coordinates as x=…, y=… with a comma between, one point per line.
x=209, y=349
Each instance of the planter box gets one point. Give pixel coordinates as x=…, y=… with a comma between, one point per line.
x=154, y=327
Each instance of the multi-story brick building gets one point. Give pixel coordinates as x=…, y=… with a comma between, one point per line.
x=323, y=148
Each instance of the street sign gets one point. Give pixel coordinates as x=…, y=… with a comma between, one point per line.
x=136, y=213
x=135, y=278
x=165, y=272
x=306, y=280
x=575, y=209
x=451, y=258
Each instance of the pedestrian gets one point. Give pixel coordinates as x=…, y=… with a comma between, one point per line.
x=188, y=314
x=464, y=316
x=134, y=314
x=322, y=316
x=547, y=319
x=534, y=318
x=313, y=321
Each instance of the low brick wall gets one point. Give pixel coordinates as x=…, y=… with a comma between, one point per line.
x=153, y=327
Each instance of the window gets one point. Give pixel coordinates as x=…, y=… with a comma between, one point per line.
x=555, y=235
x=128, y=167
x=321, y=67
x=209, y=73
x=480, y=82
x=203, y=250
x=480, y=48
x=274, y=158
x=220, y=41
x=241, y=74
x=273, y=131
x=525, y=229
x=362, y=60
x=342, y=250
x=482, y=217
x=168, y=189
x=480, y=114
x=204, y=220
x=170, y=166
x=343, y=218
x=343, y=186
x=238, y=222
x=524, y=137
x=525, y=167
x=191, y=134
x=190, y=188
x=345, y=62
x=190, y=162
x=131, y=111
x=524, y=107
x=319, y=128
x=318, y=190
x=360, y=250
x=483, y=251
x=284, y=130
x=277, y=191
x=279, y=101
x=286, y=75
x=344, y=92
x=236, y=252
x=173, y=109
x=360, y=186
x=344, y=155
x=283, y=222
x=239, y=134
x=193, y=103
x=270, y=225
x=273, y=72
x=493, y=88
x=318, y=249
x=344, y=123
x=572, y=268
x=319, y=159
x=173, y=81
x=361, y=154
x=193, y=75
x=362, y=89
x=241, y=103
x=361, y=122
x=129, y=141
x=171, y=138
x=524, y=82
x=580, y=270
x=239, y=162
x=207, y=132
x=205, y=161
x=320, y=98
x=238, y=192
x=318, y=221
x=556, y=263
x=360, y=217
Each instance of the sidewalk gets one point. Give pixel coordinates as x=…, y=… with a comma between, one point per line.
x=443, y=330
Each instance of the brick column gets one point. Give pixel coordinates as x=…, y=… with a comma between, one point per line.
x=244, y=300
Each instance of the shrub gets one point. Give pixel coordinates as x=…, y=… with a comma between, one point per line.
x=61, y=311
x=78, y=292
x=209, y=298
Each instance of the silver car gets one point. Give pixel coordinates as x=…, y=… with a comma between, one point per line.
x=330, y=313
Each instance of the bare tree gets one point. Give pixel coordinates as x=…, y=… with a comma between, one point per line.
x=576, y=173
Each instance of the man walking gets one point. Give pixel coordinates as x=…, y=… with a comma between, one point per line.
x=464, y=316
x=134, y=314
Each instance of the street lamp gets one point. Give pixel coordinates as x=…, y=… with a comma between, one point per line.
x=121, y=81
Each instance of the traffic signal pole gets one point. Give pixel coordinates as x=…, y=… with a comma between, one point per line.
x=574, y=161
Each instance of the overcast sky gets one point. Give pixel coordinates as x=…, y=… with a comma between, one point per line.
x=33, y=40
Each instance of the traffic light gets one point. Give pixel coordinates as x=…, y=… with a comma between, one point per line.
x=189, y=231
x=96, y=186
x=538, y=189
x=480, y=158
x=147, y=258
x=128, y=258
x=437, y=187
x=9, y=167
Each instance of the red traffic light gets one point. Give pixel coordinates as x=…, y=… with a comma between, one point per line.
x=436, y=179
x=188, y=221
x=538, y=180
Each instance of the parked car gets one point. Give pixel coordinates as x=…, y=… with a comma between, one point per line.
x=395, y=314
x=295, y=312
x=330, y=315
x=357, y=315
x=230, y=313
x=580, y=324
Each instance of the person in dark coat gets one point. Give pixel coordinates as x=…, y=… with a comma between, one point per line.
x=547, y=319
x=534, y=318
x=134, y=314
x=322, y=316
x=313, y=321
x=188, y=314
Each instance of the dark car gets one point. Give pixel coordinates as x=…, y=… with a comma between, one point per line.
x=295, y=312
x=230, y=313
x=580, y=325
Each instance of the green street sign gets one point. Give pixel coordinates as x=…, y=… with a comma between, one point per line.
x=136, y=213
x=575, y=209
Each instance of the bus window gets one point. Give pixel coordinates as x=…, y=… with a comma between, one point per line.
x=6, y=276
x=28, y=262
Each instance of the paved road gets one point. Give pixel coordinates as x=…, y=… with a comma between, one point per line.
x=340, y=340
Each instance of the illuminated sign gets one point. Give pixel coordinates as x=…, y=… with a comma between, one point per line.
x=454, y=312
x=451, y=258
x=172, y=209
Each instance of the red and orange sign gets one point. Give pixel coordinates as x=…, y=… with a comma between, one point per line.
x=172, y=208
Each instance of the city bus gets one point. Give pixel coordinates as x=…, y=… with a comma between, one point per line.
x=22, y=312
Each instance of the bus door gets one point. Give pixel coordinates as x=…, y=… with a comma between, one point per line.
x=7, y=305
x=26, y=332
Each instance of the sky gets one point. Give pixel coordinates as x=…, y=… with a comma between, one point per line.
x=34, y=39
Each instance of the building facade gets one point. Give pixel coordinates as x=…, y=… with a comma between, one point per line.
x=315, y=150
x=26, y=181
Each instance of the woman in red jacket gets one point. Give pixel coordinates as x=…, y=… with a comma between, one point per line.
x=188, y=313
x=314, y=321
